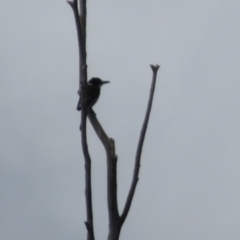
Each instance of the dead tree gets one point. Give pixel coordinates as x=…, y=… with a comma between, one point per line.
x=116, y=219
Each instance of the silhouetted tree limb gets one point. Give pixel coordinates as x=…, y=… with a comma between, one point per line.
x=80, y=20
x=115, y=220
x=140, y=145
x=109, y=145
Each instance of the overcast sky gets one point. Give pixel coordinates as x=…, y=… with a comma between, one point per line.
x=189, y=186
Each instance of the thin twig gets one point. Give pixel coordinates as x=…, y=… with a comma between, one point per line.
x=139, y=148
x=74, y=6
x=83, y=15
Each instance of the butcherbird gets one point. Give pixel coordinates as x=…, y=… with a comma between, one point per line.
x=93, y=92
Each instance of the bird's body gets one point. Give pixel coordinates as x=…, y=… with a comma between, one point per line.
x=93, y=92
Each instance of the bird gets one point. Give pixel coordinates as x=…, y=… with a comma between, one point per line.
x=93, y=92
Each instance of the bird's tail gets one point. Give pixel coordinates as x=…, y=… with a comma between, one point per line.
x=79, y=105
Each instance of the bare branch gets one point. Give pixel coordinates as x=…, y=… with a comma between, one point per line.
x=115, y=221
x=80, y=21
x=83, y=17
x=74, y=6
x=139, y=148
x=98, y=128
x=109, y=145
x=88, y=184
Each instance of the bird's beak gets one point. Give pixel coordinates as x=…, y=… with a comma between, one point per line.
x=104, y=82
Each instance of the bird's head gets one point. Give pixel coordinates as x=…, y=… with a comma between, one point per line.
x=97, y=82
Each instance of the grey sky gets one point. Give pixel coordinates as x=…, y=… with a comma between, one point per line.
x=189, y=179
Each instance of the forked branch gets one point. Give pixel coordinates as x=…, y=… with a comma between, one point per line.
x=115, y=221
